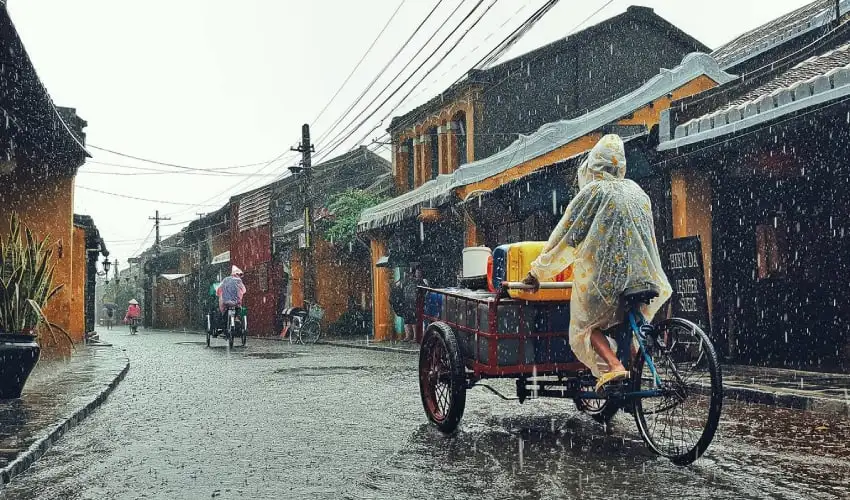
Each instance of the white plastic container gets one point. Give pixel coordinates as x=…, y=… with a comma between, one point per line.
x=475, y=261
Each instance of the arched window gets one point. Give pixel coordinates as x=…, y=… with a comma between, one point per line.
x=434, y=142
x=459, y=130
x=410, y=162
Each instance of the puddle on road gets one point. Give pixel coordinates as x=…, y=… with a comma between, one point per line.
x=273, y=355
x=321, y=371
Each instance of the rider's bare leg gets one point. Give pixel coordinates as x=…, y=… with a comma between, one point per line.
x=603, y=348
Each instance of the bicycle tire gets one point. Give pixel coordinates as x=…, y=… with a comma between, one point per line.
x=668, y=355
x=312, y=330
x=442, y=377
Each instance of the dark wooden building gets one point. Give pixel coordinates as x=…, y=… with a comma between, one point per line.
x=759, y=170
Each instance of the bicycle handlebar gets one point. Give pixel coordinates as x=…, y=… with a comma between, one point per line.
x=519, y=285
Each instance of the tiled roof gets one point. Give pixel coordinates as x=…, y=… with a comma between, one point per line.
x=547, y=138
x=798, y=22
x=814, y=81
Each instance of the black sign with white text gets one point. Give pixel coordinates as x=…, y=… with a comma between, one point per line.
x=682, y=261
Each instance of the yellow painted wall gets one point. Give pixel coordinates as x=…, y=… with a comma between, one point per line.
x=382, y=316
x=46, y=206
x=338, y=278
x=447, y=163
x=78, y=288
x=648, y=115
x=692, y=195
x=297, y=279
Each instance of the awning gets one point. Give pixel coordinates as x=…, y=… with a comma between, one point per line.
x=546, y=139
x=221, y=258
x=172, y=277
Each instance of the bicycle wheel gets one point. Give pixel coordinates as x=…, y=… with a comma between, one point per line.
x=680, y=423
x=311, y=330
x=442, y=377
x=601, y=410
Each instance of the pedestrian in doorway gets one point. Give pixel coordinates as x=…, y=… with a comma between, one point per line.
x=109, y=314
x=415, y=278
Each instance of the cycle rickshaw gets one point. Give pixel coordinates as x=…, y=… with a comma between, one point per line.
x=235, y=325
x=675, y=390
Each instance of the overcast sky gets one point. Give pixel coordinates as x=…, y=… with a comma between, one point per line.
x=215, y=83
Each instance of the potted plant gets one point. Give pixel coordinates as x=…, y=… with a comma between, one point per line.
x=26, y=286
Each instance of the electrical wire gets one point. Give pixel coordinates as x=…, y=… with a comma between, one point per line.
x=345, y=113
x=119, y=195
x=440, y=61
x=409, y=77
x=356, y=66
x=166, y=164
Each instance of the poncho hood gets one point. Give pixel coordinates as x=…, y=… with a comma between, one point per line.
x=607, y=160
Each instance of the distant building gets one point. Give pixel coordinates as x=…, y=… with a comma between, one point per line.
x=41, y=148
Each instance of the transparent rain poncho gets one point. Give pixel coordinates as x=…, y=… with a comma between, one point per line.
x=607, y=233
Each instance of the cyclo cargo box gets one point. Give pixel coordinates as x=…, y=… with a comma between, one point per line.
x=513, y=261
x=503, y=334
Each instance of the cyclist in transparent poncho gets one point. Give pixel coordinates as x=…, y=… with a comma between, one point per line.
x=607, y=233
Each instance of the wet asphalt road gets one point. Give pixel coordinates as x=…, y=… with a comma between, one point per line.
x=273, y=421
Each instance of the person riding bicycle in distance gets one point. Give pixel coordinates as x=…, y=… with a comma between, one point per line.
x=608, y=234
x=231, y=290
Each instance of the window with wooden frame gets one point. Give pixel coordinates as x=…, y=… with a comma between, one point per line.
x=771, y=250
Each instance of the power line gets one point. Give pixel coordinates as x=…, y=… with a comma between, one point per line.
x=368, y=50
x=453, y=47
x=150, y=169
x=119, y=195
x=162, y=172
x=410, y=61
x=381, y=72
x=165, y=164
x=337, y=141
x=509, y=40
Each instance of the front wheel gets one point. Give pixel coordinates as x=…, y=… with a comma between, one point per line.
x=680, y=423
x=208, y=338
x=442, y=377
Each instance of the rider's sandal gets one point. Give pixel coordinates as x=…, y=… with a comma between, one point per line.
x=609, y=377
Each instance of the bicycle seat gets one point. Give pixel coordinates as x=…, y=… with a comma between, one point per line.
x=640, y=294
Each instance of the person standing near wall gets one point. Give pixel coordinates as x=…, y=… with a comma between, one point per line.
x=415, y=278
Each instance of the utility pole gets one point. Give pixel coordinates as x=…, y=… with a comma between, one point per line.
x=306, y=149
x=156, y=220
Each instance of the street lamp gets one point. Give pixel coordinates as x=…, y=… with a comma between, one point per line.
x=106, y=265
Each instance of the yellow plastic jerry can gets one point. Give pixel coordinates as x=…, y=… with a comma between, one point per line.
x=520, y=256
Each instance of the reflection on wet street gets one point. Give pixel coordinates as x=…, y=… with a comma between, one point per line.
x=274, y=421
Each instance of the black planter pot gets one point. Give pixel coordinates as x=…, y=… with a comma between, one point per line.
x=18, y=356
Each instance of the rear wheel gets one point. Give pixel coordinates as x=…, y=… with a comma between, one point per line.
x=442, y=377
x=208, y=338
x=311, y=331
x=601, y=410
x=681, y=423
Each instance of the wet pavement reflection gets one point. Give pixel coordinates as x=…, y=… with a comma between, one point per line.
x=275, y=421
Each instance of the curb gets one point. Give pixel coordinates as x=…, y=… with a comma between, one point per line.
x=369, y=348
x=23, y=461
x=783, y=400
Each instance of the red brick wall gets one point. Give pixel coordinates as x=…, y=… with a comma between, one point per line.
x=251, y=251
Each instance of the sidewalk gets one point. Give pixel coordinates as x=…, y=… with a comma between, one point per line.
x=58, y=396
x=813, y=391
